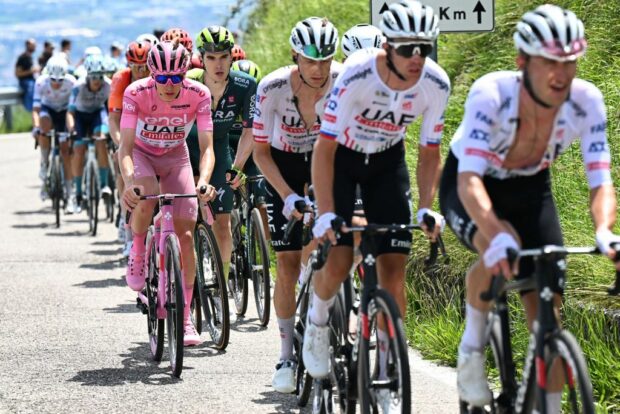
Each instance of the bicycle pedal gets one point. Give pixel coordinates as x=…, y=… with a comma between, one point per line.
x=143, y=308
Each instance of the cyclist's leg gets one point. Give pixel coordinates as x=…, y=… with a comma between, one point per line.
x=44, y=144
x=83, y=129
x=100, y=129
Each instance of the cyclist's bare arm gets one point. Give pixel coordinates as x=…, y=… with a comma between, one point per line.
x=125, y=151
x=36, y=119
x=427, y=174
x=207, y=156
x=244, y=149
x=114, y=121
x=70, y=121
x=323, y=158
x=262, y=157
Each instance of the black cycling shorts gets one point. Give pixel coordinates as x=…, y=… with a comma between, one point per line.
x=383, y=179
x=295, y=169
x=525, y=202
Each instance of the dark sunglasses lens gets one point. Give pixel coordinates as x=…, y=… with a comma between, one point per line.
x=409, y=50
x=57, y=80
x=163, y=79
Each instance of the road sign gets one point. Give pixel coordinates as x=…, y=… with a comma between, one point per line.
x=454, y=15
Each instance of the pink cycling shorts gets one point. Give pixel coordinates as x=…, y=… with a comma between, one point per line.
x=175, y=176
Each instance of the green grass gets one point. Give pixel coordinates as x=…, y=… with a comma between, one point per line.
x=434, y=320
x=22, y=121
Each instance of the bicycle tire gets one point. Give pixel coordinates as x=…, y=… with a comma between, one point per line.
x=303, y=380
x=577, y=391
x=155, y=326
x=56, y=188
x=174, y=304
x=211, y=287
x=382, y=302
x=197, y=309
x=261, y=279
x=237, y=277
x=93, y=197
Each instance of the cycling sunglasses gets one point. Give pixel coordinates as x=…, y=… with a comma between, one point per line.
x=313, y=52
x=217, y=47
x=163, y=79
x=138, y=66
x=59, y=80
x=97, y=77
x=408, y=50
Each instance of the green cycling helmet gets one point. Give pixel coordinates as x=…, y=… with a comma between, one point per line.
x=248, y=67
x=214, y=39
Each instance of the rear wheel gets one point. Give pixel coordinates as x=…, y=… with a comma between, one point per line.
x=197, y=309
x=237, y=278
x=258, y=264
x=93, y=197
x=212, y=286
x=155, y=325
x=393, y=390
x=304, y=381
x=174, y=304
x=55, y=187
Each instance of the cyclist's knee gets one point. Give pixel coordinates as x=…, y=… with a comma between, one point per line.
x=339, y=262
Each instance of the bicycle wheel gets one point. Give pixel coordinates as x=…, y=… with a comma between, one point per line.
x=237, y=279
x=393, y=392
x=258, y=263
x=155, y=325
x=110, y=201
x=174, y=304
x=212, y=286
x=196, y=309
x=563, y=348
x=303, y=386
x=93, y=197
x=55, y=187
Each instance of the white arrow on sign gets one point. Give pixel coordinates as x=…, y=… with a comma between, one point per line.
x=454, y=15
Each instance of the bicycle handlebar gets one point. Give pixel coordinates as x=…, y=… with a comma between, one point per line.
x=203, y=190
x=301, y=207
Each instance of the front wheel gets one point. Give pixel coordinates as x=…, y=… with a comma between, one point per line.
x=237, y=280
x=155, y=325
x=93, y=197
x=174, y=304
x=258, y=264
x=212, y=286
x=562, y=350
x=387, y=391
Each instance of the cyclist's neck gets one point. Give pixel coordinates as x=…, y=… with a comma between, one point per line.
x=304, y=91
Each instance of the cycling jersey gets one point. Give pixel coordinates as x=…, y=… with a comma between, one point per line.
x=120, y=81
x=365, y=115
x=490, y=124
x=84, y=100
x=238, y=99
x=161, y=126
x=277, y=120
x=56, y=99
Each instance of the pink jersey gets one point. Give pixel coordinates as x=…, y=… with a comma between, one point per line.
x=161, y=126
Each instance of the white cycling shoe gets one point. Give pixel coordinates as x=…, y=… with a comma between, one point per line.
x=283, y=379
x=316, y=350
x=471, y=379
x=388, y=404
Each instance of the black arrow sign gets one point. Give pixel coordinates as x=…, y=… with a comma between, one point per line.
x=479, y=9
x=383, y=8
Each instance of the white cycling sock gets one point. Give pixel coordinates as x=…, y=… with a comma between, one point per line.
x=286, y=327
x=475, y=325
x=319, y=312
x=384, y=347
x=45, y=154
x=69, y=187
x=554, y=402
x=300, y=278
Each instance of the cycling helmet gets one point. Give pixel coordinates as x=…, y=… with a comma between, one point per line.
x=248, y=67
x=197, y=61
x=237, y=53
x=92, y=50
x=409, y=19
x=361, y=36
x=168, y=58
x=551, y=32
x=214, y=39
x=314, y=38
x=137, y=52
x=147, y=37
x=110, y=65
x=180, y=34
x=57, y=67
x=94, y=64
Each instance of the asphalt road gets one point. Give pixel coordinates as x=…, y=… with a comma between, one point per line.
x=72, y=340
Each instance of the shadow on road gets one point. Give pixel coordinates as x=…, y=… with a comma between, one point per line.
x=32, y=226
x=68, y=234
x=123, y=308
x=138, y=366
x=243, y=324
x=44, y=210
x=283, y=403
x=107, y=265
x=106, y=243
x=105, y=283
x=111, y=252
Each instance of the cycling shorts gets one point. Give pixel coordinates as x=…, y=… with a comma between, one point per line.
x=88, y=124
x=59, y=120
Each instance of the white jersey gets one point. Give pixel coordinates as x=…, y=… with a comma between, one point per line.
x=490, y=124
x=365, y=115
x=277, y=120
x=85, y=100
x=56, y=99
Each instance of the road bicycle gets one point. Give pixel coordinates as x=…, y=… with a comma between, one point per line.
x=54, y=180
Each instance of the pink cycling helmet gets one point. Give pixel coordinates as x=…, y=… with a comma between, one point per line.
x=168, y=58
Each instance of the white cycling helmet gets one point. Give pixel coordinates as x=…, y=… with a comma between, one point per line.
x=94, y=64
x=92, y=50
x=551, y=32
x=314, y=38
x=409, y=19
x=57, y=67
x=361, y=36
x=147, y=37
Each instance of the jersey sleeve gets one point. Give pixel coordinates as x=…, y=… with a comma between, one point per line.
x=204, y=122
x=129, y=116
x=479, y=120
x=264, y=115
x=431, y=129
x=338, y=107
x=36, y=98
x=249, y=106
x=594, y=146
x=115, y=101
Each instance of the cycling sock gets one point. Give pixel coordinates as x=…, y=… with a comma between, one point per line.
x=103, y=176
x=189, y=290
x=286, y=327
x=475, y=325
x=77, y=180
x=554, y=402
x=319, y=313
x=226, y=269
x=384, y=347
x=45, y=154
x=69, y=187
x=138, y=248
